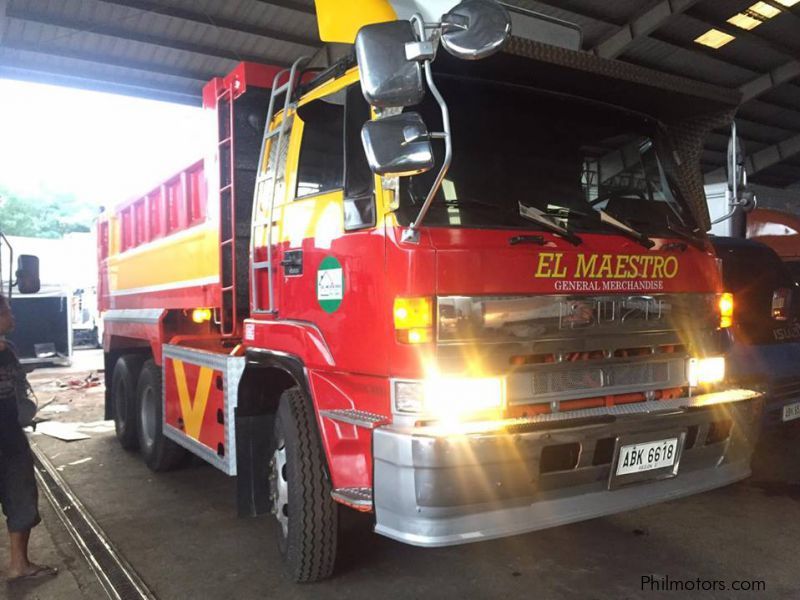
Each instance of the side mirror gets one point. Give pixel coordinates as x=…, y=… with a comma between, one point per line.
x=28, y=274
x=475, y=29
x=735, y=166
x=388, y=78
x=398, y=145
x=740, y=199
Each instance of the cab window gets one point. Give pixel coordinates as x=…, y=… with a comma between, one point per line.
x=332, y=157
x=320, y=167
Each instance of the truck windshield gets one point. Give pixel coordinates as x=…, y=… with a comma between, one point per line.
x=567, y=157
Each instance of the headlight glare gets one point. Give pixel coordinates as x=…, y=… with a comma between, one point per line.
x=704, y=371
x=451, y=398
x=725, y=305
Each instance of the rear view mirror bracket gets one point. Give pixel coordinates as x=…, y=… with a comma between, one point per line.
x=391, y=76
x=740, y=198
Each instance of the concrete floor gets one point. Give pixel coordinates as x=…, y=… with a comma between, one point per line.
x=180, y=532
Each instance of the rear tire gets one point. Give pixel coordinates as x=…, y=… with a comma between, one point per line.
x=159, y=452
x=301, y=492
x=123, y=395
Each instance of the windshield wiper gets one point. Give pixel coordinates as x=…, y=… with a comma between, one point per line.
x=685, y=235
x=627, y=229
x=554, y=210
x=539, y=216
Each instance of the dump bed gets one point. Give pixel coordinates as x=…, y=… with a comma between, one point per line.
x=161, y=249
x=166, y=248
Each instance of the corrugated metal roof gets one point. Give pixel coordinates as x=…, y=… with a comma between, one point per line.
x=166, y=49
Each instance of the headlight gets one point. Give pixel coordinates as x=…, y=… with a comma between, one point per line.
x=451, y=398
x=703, y=371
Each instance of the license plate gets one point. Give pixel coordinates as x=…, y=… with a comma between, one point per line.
x=791, y=411
x=647, y=456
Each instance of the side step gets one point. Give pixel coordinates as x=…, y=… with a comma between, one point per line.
x=359, y=418
x=358, y=498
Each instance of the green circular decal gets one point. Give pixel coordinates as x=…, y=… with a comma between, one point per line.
x=330, y=284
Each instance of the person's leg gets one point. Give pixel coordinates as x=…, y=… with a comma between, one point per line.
x=19, y=563
x=20, y=504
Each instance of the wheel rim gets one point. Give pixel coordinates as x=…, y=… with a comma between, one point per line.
x=279, y=487
x=149, y=417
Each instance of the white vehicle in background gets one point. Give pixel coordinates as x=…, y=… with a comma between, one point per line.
x=53, y=320
x=86, y=322
x=43, y=332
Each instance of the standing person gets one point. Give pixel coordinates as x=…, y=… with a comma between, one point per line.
x=18, y=493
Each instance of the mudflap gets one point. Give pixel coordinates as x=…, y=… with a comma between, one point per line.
x=252, y=464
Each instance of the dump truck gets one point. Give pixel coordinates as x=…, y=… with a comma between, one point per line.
x=472, y=298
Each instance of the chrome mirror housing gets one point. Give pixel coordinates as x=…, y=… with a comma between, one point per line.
x=388, y=77
x=735, y=165
x=398, y=145
x=475, y=29
x=740, y=198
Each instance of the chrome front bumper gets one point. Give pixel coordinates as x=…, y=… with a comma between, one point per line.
x=437, y=489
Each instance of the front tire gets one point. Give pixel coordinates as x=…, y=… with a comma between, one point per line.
x=159, y=452
x=123, y=395
x=301, y=492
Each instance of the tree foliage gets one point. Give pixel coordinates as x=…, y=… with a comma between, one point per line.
x=50, y=215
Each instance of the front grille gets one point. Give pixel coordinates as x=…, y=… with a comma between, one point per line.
x=573, y=380
x=637, y=374
x=568, y=381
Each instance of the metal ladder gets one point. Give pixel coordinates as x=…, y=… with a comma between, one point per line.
x=227, y=209
x=262, y=177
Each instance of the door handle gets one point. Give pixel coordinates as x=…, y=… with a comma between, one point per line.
x=292, y=262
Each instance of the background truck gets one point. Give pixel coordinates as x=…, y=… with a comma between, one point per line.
x=766, y=335
x=772, y=221
x=511, y=322
x=42, y=332
x=780, y=230
x=762, y=269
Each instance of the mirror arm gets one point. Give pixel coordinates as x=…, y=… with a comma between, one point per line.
x=733, y=168
x=412, y=233
x=736, y=206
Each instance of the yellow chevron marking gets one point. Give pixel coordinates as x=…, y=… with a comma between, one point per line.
x=193, y=411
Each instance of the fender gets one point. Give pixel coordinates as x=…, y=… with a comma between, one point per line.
x=266, y=376
x=291, y=339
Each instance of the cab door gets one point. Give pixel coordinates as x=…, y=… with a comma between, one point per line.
x=332, y=254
